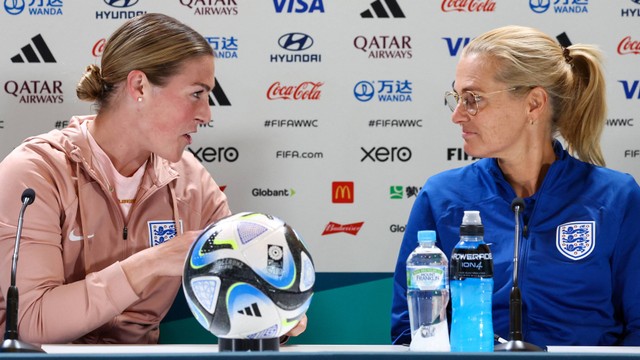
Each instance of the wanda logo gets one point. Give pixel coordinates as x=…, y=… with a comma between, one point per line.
x=307, y=90
x=468, y=5
x=628, y=46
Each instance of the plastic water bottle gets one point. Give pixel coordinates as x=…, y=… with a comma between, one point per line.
x=428, y=295
x=471, y=288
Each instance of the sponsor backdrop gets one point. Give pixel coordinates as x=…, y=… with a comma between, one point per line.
x=326, y=113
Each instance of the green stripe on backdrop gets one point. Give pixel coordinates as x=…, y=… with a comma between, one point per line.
x=347, y=308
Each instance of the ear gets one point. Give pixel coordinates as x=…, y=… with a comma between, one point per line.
x=537, y=102
x=137, y=85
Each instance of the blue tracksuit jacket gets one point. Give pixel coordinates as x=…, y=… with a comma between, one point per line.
x=579, y=264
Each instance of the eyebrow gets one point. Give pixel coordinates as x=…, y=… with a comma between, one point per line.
x=207, y=87
x=470, y=89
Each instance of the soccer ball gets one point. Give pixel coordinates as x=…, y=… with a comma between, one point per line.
x=248, y=276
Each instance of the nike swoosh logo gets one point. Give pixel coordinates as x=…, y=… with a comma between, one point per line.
x=74, y=237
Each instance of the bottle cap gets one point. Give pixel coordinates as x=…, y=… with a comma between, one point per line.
x=426, y=236
x=471, y=224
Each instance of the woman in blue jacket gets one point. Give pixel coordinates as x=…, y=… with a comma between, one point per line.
x=515, y=91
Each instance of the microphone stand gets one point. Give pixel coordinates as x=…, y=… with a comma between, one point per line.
x=516, y=341
x=11, y=342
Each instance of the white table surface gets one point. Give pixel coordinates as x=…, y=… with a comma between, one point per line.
x=188, y=348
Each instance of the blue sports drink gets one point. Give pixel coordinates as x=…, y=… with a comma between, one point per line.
x=471, y=285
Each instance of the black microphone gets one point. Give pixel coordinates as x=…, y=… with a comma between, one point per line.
x=516, y=341
x=11, y=342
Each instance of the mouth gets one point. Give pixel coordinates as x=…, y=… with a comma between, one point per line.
x=467, y=134
x=188, y=138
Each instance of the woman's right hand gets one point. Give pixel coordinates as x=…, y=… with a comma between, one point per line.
x=166, y=259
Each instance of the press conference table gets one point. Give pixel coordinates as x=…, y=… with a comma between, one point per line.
x=150, y=352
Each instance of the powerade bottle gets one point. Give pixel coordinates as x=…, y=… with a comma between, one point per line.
x=471, y=288
x=428, y=295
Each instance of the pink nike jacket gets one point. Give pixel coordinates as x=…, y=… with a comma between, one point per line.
x=72, y=287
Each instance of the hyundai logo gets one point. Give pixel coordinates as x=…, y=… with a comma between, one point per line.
x=121, y=3
x=295, y=41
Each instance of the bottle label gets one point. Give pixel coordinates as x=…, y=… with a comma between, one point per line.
x=472, y=263
x=426, y=278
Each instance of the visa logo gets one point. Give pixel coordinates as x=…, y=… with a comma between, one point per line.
x=631, y=89
x=456, y=45
x=298, y=6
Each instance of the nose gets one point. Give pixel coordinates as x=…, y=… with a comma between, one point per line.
x=203, y=114
x=459, y=114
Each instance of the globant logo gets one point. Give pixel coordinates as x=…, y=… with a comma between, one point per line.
x=628, y=46
x=211, y=7
x=51, y=7
x=468, y=6
x=384, y=46
x=386, y=91
x=307, y=90
x=559, y=6
x=224, y=47
x=258, y=192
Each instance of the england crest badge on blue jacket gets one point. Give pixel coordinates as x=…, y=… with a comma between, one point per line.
x=576, y=240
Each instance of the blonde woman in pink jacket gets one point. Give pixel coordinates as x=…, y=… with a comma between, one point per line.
x=119, y=201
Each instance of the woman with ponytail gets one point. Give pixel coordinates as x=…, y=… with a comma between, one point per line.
x=533, y=111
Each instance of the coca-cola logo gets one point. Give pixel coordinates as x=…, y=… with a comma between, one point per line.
x=307, y=90
x=628, y=46
x=468, y=5
x=333, y=228
x=98, y=47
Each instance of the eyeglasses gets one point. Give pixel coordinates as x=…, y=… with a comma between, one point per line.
x=469, y=99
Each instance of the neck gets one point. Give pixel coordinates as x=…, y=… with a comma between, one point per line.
x=122, y=150
x=526, y=173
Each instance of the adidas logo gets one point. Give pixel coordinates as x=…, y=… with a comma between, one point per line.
x=381, y=12
x=251, y=311
x=32, y=54
x=218, y=95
